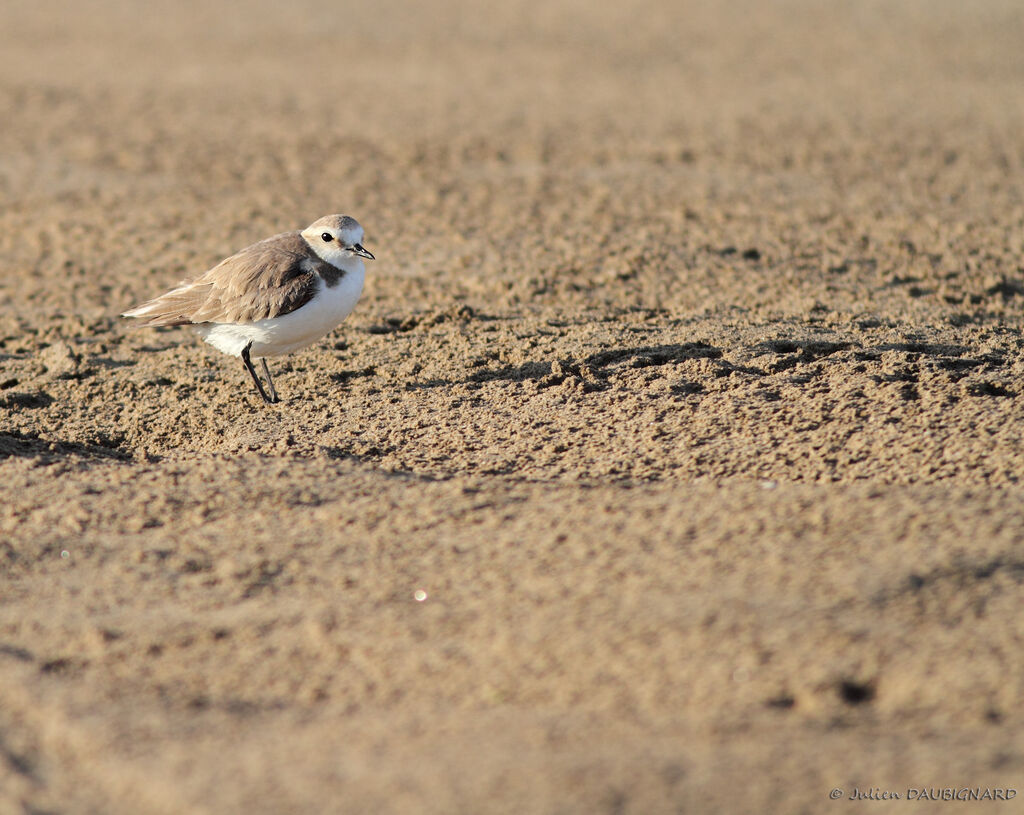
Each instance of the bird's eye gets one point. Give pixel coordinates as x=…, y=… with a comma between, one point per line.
x=327, y=237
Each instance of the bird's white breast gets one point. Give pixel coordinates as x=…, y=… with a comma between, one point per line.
x=281, y=335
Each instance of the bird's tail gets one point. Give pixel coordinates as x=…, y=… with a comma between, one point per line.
x=173, y=308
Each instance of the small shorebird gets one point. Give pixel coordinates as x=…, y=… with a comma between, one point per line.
x=273, y=297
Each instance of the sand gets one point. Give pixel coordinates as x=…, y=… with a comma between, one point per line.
x=671, y=461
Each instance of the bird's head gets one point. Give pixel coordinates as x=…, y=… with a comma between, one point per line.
x=336, y=238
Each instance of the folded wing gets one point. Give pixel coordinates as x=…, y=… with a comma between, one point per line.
x=268, y=279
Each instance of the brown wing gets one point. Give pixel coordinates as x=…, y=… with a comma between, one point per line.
x=268, y=279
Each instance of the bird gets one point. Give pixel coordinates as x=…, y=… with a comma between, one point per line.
x=271, y=298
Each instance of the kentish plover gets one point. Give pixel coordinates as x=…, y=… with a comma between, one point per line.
x=273, y=297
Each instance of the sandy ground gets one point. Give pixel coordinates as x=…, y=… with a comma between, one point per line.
x=686, y=385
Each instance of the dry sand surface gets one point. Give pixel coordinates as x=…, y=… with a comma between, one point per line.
x=686, y=384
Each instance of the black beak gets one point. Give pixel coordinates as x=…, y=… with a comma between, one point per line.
x=357, y=249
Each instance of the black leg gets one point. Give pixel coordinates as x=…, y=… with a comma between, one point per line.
x=252, y=372
x=270, y=381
